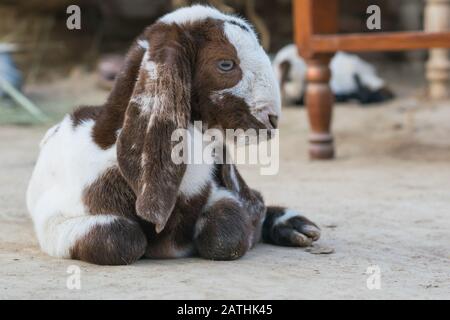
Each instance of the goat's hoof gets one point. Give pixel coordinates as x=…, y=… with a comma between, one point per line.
x=293, y=229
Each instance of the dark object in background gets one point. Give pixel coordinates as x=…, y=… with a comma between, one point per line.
x=365, y=95
x=9, y=72
x=107, y=69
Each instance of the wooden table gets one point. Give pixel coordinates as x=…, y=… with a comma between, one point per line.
x=316, y=27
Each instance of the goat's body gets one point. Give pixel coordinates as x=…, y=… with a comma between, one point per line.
x=73, y=176
x=83, y=208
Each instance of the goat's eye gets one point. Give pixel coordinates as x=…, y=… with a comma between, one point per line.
x=225, y=65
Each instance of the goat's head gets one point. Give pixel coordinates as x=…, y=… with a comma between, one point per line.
x=232, y=84
x=197, y=64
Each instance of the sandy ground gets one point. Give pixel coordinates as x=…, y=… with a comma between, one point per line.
x=385, y=201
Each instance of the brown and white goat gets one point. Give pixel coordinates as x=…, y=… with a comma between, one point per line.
x=105, y=189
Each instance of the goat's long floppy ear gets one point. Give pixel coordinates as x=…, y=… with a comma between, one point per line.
x=160, y=104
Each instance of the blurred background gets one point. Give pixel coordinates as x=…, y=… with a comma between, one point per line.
x=50, y=59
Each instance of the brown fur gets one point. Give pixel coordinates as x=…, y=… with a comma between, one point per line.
x=110, y=194
x=148, y=167
x=113, y=111
x=252, y=200
x=179, y=231
x=85, y=113
x=225, y=231
x=117, y=243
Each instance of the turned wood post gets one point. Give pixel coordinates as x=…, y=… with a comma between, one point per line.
x=319, y=101
x=313, y=17
x=411, y=13
x=437, y=18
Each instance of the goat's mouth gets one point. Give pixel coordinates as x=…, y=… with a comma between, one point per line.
x=267, y=116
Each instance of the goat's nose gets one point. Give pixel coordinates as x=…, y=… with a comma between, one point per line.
x=273, y=120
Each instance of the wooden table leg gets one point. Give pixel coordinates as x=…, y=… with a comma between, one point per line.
x=313, y=17
x=437, y=18
x=319, y=101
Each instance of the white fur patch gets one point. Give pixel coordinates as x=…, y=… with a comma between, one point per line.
x=67, y=163
x=295, y=87
x=144, y=101
x=195, y=179
x=143, y=44
x=344, y=66
x=288, y=214
x=199, y=226
x=234, y=179
x=144, y=160
x=197, y=13
x=150, y=66
x=50, y=132
x=258, y=86
x=197, y=176
x=183, y=252
x=61, y=234
x=218, y=194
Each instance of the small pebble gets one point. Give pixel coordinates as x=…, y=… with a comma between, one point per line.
x=320, y=250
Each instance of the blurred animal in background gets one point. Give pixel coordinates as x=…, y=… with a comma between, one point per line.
x=8, y=69
x=352, y=78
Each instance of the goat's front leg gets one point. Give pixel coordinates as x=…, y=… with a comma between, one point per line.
x=287, y=227
x=251, y=200
x=277, y=225
x=232, y=220
x=223, y=230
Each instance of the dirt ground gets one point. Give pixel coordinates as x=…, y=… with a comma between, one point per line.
x=383, y=202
